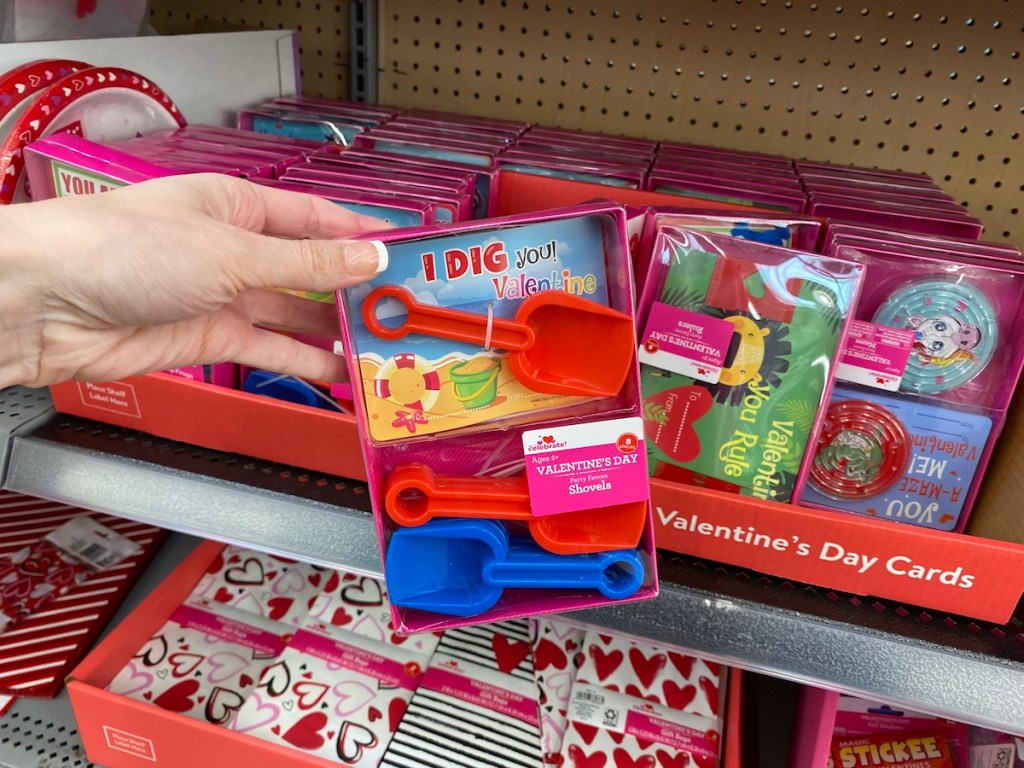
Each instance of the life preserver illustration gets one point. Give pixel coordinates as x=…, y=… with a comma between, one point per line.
x=407, y=379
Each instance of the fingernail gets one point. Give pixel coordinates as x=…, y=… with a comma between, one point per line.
x=367, y=257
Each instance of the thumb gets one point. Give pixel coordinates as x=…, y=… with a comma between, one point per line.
x=313, y=265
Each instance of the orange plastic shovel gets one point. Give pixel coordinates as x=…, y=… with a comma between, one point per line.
x=559, y=343
x=413, y=495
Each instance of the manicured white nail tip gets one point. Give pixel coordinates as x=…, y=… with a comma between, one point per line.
x=382, y=255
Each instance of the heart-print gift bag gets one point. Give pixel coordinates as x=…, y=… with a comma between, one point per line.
x=339, y=696
x=738, y=353
x=467, y=714
x=557, y=653
x=36, y=575
x=503, y=647
x=359, y=604
x=203, y=663
x=661, y=675
x=261, y=584
x=612, y=730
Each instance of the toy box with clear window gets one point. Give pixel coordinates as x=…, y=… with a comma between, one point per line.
x=928, y=379
x=737, y=347
x=496, y=387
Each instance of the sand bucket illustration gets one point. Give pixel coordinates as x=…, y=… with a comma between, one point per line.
x=476, y=381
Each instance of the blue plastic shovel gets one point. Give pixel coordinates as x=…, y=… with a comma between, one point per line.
x=461, y=567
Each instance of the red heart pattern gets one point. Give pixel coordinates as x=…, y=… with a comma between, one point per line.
x=625, y=760
x=581, y=759
x=277, y=607
x=353, y=739
x=677, y=696
x=547, y=654
x=154, y=651
x=682, y=662
x=395, y=711
x=305, y=734
x=250, y=573
x=635, y=692
x=364, y=592
x=710, y=691
x=509, y=653
x=184, y=664
x=341, y=617
x=276, y=678
x=605, y=663
x=646, y=668
x=222, y=705
x=178, y=698
x=309, y=693
x=672, y=759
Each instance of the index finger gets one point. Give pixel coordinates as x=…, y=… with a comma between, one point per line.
x=300, y=215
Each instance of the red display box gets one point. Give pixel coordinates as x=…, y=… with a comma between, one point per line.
x=124, y=733
x=226, y=420
x=221, y=419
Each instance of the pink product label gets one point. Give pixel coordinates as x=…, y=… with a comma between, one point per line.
x=251, y=637
x=190, y=372
x=586, y=466
x=389, y=672
x=868, y=723
x=675, y=735
x=685, y=342
x=875, y=355
x=481, y=694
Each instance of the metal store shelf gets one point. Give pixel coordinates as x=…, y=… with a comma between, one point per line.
x=940, y=664
x=320, y=519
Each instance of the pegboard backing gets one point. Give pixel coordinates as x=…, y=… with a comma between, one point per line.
x=323, y=29
x=932, y=85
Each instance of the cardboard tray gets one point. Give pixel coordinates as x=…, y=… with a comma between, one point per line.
x=766, y=537
x=123, y=733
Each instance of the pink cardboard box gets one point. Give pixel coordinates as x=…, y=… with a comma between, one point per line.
x=403, y=424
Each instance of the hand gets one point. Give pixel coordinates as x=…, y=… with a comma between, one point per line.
x=171, y=272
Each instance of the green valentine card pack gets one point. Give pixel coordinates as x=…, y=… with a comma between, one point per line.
x=737, y=355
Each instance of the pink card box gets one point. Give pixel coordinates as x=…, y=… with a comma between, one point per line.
x=468, y=451
x=65, y=164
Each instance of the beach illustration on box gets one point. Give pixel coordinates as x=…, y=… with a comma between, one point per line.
x=406, y=395
x=417, y=384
